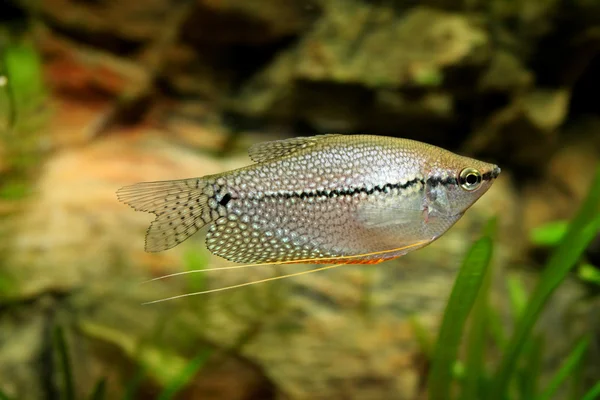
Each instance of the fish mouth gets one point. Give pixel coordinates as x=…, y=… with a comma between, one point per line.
x=496, y=171
x=493, y=174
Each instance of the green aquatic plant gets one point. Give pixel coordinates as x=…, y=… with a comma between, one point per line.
x=23, y=114
x=581, y=231
x=461, y=301
x=518, y=373
x=68, y=386
x=24, y=91
x=99, y=391
x=185, y=376
x=549, y=234
x=589, y=273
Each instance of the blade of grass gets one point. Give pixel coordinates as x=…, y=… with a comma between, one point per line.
x=549, y=234
x=594, y=393
x=572, y=361
x=475, y=363
x=65, y=363
x=577, y=376
x=99, y=391
x=464, y=293
x=589, y=273
x=526, y=378
x=580, y=233
x=185, y=376
x=517, y=295
x=134, y=384
x=530, y=373
x=497, y=329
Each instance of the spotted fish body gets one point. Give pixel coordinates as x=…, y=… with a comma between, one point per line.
x=329, y=198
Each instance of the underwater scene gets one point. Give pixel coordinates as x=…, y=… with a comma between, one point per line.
x=300, y=199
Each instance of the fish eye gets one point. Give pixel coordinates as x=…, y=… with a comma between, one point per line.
x=470, y=179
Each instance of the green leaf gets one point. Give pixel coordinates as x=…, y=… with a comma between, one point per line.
x=134, y=384
x=185, y=376
x=476, y=340
x=589, y=273
x=24, y=71
x=594, y=393
x=99, y=391
x=577, y=380
x=462, y=298
x=497, y=329
x=517, y=295
x=530, y=373
x=573, y=360
x=14, y=190
x=549, y=234
x=581, y=232
x=68, y=389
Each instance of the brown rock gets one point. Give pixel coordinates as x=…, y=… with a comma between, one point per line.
x=380, y=49
x=524, y=133
x=566, y=178
x=247, y=22
x=116, y=24
x=79, y=187
x=506, y=74
x=329, y=78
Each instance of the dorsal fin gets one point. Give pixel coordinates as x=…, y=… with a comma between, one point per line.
x=278, y=148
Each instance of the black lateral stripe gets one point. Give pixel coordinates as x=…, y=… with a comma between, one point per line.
x=434, y=181
x=345, y=192
x=488, y=176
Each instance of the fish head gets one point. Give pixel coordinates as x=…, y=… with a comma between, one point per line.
x=456, y=183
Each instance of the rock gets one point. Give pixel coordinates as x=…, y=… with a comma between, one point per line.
x=525, y=132
x=59, y=238
x=506, y=74
x=355, y=50
x=192, y=124
x=83, y=71
x=547, y=109
x=120, y=27
x=125, y=28
x=566, y=177
x=227, y=22
x=189, y=72
x=379, y=49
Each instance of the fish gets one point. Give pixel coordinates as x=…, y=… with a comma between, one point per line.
x=325, y=199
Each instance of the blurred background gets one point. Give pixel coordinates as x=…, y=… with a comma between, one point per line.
x=98, y=94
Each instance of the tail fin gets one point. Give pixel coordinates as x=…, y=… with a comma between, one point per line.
x=181, y=208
